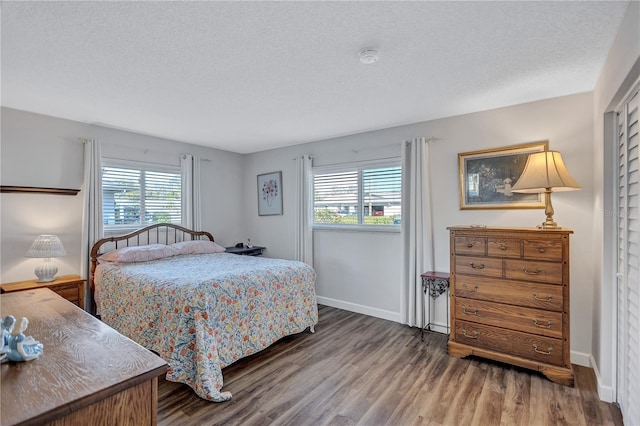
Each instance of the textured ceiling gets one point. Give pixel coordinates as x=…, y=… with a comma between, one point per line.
x=250, y=76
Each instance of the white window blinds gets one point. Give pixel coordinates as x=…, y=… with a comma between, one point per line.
x=139, y=195
x=358, y=195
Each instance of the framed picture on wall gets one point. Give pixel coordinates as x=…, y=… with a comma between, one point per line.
x=486, y=178
x=270, y=194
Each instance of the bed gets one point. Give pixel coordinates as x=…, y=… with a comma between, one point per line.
x=200, y=310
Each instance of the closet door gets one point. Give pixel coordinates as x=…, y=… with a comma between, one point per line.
x=628, y=374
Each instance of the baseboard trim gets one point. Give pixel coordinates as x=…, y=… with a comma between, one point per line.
x=360, y=309
x=605, y=392
x=581, y=358
x=375, y=312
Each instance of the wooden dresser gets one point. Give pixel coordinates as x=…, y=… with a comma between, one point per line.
x=510, y=297
x=87, y=374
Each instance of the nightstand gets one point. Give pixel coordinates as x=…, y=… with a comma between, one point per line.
x=71, y=287
x=246, y=251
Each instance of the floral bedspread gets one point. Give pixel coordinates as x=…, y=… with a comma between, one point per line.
x=203, y=312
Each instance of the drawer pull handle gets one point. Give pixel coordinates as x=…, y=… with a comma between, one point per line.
x=474, y=266
x=475, y=287
x=538, y=271
x=535, y=296
x=503, y=246
x=475, y=311
x=535, y=348
x=469, y=245
x=537, y=324
x=542, y=249
x=475, y=334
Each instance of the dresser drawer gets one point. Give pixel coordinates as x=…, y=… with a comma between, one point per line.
x=470, y=245
x=533, y=295
x=504, y=247
x=542, y=249
x=485, y=266
x=539, y=348
x=535, y=321
x=69, y=292
x=548, y=272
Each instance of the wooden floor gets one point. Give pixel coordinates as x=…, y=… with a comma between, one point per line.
x=357, y=369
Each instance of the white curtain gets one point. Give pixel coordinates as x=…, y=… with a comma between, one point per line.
x=191, y=211
x=92, y=227
x=304, y=233
x=417, y=230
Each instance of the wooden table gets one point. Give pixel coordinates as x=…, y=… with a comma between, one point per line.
x=87, y=374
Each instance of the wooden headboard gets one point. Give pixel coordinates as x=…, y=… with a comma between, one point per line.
x=159, y=233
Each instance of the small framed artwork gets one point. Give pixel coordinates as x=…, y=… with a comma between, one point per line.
x=270, y=194
x=486, y=178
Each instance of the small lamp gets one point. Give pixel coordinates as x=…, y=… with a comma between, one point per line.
x=545, y=172
x=46, y=247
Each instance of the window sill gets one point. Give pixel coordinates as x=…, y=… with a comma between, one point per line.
x=394, y=229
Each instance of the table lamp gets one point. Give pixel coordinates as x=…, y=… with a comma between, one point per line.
x=545, y=172
x=46, y=247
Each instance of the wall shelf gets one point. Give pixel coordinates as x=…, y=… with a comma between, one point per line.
x=39, y=190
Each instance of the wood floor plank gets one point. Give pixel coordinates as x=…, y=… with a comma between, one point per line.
x=517, y=398
x=415, y=400
x=442, y=388
x=360, y=370
x=464, y=403
x=488, y=409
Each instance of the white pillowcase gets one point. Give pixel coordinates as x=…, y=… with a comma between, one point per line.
x=198, y=247
x=139, y=254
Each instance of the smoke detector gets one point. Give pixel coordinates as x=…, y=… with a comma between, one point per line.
x=369, y=56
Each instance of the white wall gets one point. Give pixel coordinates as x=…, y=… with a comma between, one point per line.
x=349, y=274
x=37, y=150
x=621, y=70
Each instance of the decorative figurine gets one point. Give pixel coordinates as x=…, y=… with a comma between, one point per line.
x=21, y=347
x=6, y=325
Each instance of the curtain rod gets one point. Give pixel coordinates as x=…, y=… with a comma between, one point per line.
x=370, y=148
x=143, y=150
x=428, y=139
x=355, y=151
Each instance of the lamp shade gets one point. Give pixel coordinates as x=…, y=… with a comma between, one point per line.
x=46, y=246
x=545, y=170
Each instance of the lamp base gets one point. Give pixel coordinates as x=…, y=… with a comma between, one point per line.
x=46, y=271
x=551, y=225
x=548, y=211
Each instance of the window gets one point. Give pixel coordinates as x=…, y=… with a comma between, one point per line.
x=368, y=195
x=135, y=195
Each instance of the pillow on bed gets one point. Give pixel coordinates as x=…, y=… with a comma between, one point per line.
x=139, y=253
x=198, y=247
